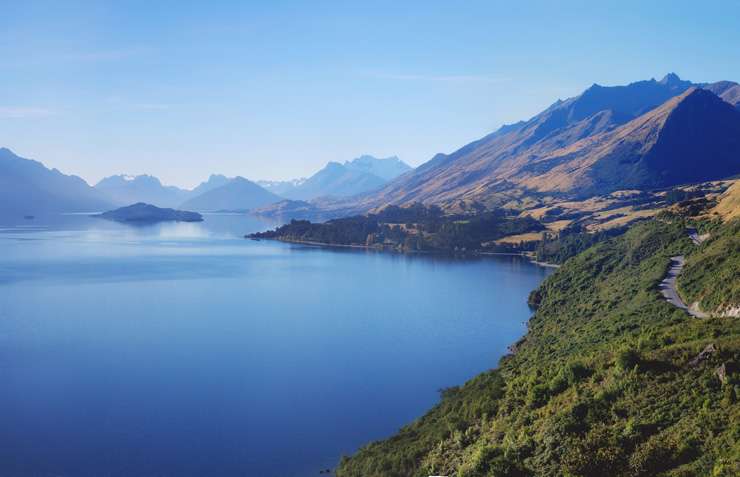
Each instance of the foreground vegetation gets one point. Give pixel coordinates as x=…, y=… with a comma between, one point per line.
x=711, y=276
x=569, y=244
x=610, y=380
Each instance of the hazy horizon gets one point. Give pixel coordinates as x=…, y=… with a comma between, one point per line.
x=275, y=92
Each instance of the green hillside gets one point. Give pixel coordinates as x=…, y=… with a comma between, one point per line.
x=602, y=384
x=712, y=274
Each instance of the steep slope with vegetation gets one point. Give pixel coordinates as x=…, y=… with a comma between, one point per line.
x=610, y=380
x=711, y=276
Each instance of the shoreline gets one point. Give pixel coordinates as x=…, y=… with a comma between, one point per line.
x=529, y=257
x=526, y=255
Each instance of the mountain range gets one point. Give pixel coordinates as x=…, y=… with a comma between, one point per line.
x=28, y=188
x=363, y=174
x=125, y=190
x=648, y=134
x=222, y=193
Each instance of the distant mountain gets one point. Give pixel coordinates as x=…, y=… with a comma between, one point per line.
x=236, y=194
x=729, y=91
x=282, y=188
x=27, y=187
x=550, y=152
x=214, y=181
x=336, y=180
x=124, y=190
x=290, y=209
x=362, y=174
x=147, y=213
x=387, y=169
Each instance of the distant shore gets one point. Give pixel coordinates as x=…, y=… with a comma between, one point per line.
x=529, y=257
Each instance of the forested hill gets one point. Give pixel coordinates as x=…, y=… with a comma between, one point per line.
x=412, y=228
x=609, y=380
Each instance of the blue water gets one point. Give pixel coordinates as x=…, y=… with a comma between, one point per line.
x=185, y=350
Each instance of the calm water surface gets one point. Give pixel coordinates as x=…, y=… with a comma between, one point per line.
x=185, y=350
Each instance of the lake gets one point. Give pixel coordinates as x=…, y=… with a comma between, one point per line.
x=183, y=349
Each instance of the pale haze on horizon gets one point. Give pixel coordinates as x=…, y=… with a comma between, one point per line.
x=274, y=90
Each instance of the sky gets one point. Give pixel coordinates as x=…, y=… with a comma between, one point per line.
x=275, y=89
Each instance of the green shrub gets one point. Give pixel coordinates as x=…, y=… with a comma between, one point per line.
x=492, y=461
x=627, y=358
x=537, y=395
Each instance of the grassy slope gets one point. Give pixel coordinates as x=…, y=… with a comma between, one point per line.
x=600, y=386
x=729, y=205
x=711, y=275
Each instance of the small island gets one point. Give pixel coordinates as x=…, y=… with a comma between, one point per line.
x=147, y=213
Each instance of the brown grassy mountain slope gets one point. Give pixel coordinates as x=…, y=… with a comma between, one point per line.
x=728, y=206
x=643, y=135
x=727, y=90
x=691, y=138
x=480, y=170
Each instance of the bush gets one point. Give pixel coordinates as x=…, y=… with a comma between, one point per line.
x=567, y=376
x=537, y=395
x=599, y=453
x=487, y=461
x=627, y=359
x=653, y=456
x=559, y=383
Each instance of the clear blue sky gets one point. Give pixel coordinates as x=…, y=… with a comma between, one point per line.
x=275, y=89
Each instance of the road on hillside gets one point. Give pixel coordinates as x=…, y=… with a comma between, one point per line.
x=694, y=235
x=668, y=287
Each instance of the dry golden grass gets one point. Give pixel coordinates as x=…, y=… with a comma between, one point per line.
x=607, y=214
x=729, y=203
x=515, y=239
x=628, y=217
x=537, y=213
x=558, y=225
